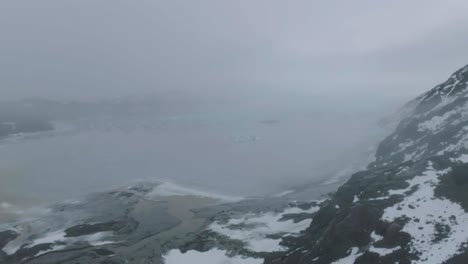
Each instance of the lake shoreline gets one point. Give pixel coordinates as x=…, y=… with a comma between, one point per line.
x=132, y=222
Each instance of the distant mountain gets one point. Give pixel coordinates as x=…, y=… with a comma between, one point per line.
x=409, y=206
x=35, y=115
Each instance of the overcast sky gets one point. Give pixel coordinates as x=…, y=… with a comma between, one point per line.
x=111, y=48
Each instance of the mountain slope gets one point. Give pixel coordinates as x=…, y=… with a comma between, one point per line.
x=409, y=206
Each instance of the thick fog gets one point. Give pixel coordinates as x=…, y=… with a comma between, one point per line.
x=239, y=97
x=111, y=48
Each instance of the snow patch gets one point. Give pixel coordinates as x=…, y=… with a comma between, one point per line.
x=53, y=237
x=54, y=248
x=403, y=146
x=463, y=158
x=350, y=258
x=254, y=229
x=101, y=243
x=430, y=210
x=383, y=251
x=50, y=238
x=56, y=237
x=355, y=199
x=462, y=141
x=437, y=122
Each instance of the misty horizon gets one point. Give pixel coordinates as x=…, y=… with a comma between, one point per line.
x=53, y=49
x=233, y=132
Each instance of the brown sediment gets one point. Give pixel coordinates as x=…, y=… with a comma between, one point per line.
x=180, y=207
x=11, y=204
x=12, y=208
x=6, y=216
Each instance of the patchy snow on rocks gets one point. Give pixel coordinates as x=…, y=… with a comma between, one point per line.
x=460, y=143
x=59, y=241
x=383, y=251
x=353, y=255
x=437, y=122
x=255, y=229
x=54, y=248
x=214, y=256
x=463, y=158
x=50, y=238
x=425, y=212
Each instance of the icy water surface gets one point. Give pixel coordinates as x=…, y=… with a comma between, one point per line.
x=228, y=154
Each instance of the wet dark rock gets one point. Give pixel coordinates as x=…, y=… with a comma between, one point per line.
x=399, y=256
x=350, y=228
x=104, y=252
x=27, y=253
x=442, y=232
x=304, y=205
x=7, y=236
x=208, y=240
x=458, y=259
x=460, y=174
x=297, y=217
x=392, y=230
x=89, y=229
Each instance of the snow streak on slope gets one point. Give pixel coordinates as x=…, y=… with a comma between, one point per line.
x=438, y=226
x=58, y=240
x=255, y=229
x=350, y=258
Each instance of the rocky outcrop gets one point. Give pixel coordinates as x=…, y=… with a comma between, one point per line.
x=409, y=206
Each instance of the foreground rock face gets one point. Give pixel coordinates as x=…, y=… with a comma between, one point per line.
x=122, y=226
x=409, y=206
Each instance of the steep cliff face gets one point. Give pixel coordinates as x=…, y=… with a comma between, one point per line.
x=409, y=206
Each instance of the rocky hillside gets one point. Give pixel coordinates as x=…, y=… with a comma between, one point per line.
x=409, y=206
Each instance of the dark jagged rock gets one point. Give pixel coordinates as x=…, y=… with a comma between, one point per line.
x=296, y=218
x=7, y=236
x=88, y=229
x=429, y=141
x=107, y=227
x=104, y=252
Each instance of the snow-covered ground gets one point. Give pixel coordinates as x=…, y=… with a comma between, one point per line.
x=58, y=239
x=350, y=258
x=255, y=229
x=425, y=211
x=252, y=229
